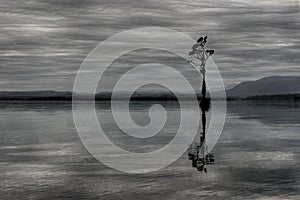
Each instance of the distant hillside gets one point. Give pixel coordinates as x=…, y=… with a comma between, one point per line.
x=36, y=95
x=266, y=86
x=277, y=97
x=50, y=95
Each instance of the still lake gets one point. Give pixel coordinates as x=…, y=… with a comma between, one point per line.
x=42, y=157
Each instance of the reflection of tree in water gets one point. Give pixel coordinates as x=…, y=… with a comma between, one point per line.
x=197, y=152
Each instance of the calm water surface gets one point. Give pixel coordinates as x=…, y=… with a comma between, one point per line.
x=41, y=156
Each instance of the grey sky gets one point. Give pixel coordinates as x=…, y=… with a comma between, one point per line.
x=42, y=43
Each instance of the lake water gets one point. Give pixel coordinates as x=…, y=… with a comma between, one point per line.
x=42, y=157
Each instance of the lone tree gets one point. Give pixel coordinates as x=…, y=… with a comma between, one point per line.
x=198, y=58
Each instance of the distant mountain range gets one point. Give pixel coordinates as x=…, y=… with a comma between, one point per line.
x=50, y=95
x=272, y=85
x=36, y=95
x=277, y=87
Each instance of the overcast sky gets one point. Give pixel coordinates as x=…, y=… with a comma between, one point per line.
x=42, y=43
